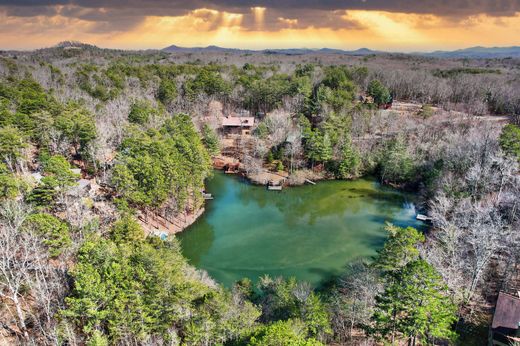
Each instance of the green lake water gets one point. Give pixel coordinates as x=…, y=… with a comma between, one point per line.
x=309, y=232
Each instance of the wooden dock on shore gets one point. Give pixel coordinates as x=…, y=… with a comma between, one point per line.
x=422, y=217
x=274, y=188
x=207, y=196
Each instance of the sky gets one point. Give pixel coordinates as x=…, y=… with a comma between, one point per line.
x=391, y=25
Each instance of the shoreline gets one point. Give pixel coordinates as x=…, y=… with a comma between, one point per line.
x=264, y=176
x=158, y=225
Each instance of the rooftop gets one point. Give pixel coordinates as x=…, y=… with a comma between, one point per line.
x=507, y=312
x=238, y=121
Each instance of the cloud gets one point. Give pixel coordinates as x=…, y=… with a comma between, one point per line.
x=340, y=23
x=295, y=9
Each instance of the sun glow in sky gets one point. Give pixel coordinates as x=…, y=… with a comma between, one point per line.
x=347, y=24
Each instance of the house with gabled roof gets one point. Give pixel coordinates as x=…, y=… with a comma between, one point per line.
x=235, y=125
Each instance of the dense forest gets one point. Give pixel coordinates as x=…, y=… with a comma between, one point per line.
x=140, y=129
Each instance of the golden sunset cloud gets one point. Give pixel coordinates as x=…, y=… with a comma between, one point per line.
x=262, y=28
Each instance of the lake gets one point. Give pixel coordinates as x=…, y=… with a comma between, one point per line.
x=310, y=232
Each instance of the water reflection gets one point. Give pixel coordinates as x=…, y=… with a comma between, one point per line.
x=310, y=232
x=199, y=242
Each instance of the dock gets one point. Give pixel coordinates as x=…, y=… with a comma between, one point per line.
x=274, y=188
x=207, y=196
x=422, y=217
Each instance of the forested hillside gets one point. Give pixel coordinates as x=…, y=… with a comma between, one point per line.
x=93, y=142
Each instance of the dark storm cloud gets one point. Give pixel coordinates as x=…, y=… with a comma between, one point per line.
x=123, y=14
x=276, y=18
x=30, y=11
x=439, y=7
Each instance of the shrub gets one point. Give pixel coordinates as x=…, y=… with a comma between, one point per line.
x=287, y=333
x=426, y=111
x=140, y=112
x=127, y=229
x=167, y=91
x=54, y=231
x=379, y=92
x=510, y=140
x=210, y=140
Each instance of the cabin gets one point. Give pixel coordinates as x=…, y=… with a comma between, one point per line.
x=233, y=125
x=505, y=329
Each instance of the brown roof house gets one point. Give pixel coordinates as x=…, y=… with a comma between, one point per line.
x=505, y=329
x=232, y=125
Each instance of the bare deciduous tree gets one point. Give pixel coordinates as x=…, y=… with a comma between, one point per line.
x=30, y=286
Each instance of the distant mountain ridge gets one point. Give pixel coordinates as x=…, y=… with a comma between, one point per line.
x=478, y=52
x=285, y=51
x=472, y=52
x=177, y=49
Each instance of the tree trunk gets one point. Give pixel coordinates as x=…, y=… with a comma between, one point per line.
x=393, y=326
x=21, y=317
